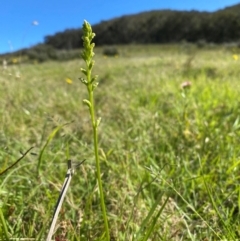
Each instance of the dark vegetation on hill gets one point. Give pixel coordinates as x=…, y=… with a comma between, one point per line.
x=158, y=27
x=163, y=26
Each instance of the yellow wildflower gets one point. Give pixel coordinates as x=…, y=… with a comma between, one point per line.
x=235, y=57
x=187, y=133
x=68, y=80
x=15, y=60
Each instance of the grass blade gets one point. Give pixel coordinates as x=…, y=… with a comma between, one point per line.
x=49, y=139
x=149, y=216
x=4, y=226
x=150, y=230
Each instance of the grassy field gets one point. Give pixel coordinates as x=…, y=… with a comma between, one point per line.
x=157, y=141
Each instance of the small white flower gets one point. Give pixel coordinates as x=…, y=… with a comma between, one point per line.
x=207, y=139
x=4, y=64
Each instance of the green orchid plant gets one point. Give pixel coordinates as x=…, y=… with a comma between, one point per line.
x=90, y=82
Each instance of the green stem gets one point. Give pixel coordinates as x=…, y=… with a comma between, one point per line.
x=98, y=170
x=87, y=56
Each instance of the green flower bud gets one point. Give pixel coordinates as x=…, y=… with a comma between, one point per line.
x=84, y=71
x=84, y=81
x=98, y=121
x=87, y=102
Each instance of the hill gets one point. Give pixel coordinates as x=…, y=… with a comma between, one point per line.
x=161, y=26
x=153, y=27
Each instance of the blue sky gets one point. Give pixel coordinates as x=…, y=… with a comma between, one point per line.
x=17, y=16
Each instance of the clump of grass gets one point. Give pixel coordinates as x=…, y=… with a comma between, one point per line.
x=188, y=139
x=110, y=51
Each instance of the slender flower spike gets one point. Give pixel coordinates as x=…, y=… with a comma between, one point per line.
x=89, y=81
x=87, y=53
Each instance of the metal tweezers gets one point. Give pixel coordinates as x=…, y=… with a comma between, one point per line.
x=70, y=171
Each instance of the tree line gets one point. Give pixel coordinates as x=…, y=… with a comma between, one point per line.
x=164, y=26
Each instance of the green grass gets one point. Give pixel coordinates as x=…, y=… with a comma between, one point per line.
x=157, y=142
